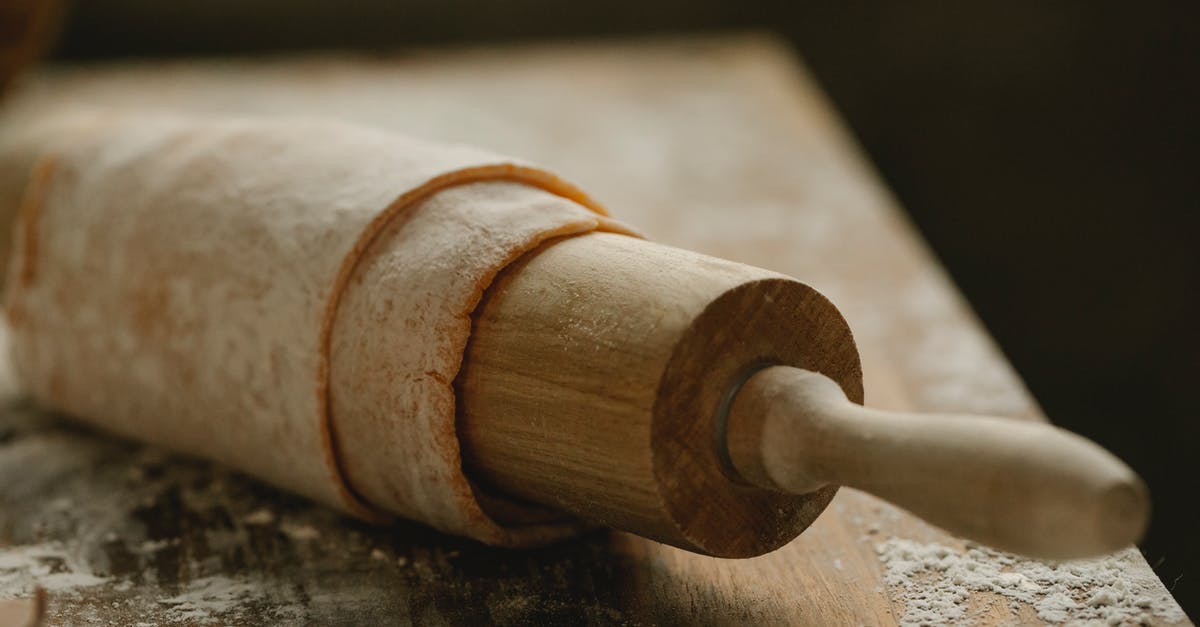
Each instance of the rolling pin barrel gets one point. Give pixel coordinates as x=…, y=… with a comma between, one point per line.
x=594, y=371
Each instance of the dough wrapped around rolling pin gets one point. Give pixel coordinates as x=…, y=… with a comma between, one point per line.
x=295, y=299
x=295, y=295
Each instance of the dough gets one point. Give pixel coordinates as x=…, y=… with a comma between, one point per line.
x=289, y=297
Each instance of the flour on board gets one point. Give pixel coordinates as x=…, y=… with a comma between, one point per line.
x=935, y=583
x=206, y=599
x=47, y=565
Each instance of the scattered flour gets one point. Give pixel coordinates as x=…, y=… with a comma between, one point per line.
x=48, y=565
x=206, y=599
x=935, y=582
x=64, y=569
x=150, y=546
x=300, y=533
x=262, y=516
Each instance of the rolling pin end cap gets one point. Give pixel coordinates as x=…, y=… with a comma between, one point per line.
x=1124, y=511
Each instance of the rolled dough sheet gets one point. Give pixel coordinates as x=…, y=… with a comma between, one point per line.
x=291, y=298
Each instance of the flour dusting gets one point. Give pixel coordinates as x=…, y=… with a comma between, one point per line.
x=261, y=516
x=49, y=565
x=935, y=582
x=300, y=532
x=206, y=599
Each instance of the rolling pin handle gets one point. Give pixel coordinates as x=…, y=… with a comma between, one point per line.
x=1026, y=487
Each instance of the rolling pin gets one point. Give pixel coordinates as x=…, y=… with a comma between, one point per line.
x=404, y=329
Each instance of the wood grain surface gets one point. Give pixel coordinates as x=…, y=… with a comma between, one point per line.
x=591, y=363
x=723, y=146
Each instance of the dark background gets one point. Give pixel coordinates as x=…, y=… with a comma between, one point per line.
x=1049, y=151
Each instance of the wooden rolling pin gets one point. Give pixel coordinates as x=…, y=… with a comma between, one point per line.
x=302, y=300
x=714, y=406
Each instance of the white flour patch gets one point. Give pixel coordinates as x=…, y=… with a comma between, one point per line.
x=151, y=546
x=300, y=532
x=261, y=516
x=47, y=565
x=935, y=583
x=210, y=598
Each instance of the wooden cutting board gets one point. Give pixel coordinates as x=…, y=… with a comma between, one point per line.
x=720, y=145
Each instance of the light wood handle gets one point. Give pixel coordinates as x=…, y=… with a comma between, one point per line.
x=1026, y=487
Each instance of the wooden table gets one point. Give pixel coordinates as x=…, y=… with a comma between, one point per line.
x=721, y=145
